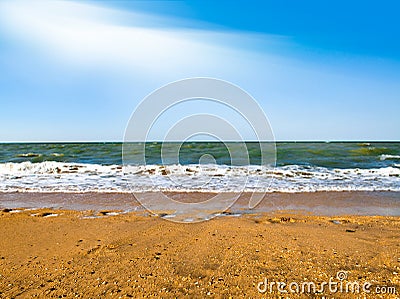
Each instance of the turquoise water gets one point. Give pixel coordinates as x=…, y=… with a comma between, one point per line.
x=300, y=167
x=341, y=155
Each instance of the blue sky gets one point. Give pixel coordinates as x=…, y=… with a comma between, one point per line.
x=76, y=70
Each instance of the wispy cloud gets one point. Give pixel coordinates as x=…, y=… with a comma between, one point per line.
x=88, y=35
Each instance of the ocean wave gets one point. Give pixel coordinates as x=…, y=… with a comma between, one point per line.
x=52, y=167
x=369, y=151
x=52, y=176
x=28, y=155
x=386, y=157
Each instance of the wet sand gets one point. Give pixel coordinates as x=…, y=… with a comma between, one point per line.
x=100, y=254
x=318, y=203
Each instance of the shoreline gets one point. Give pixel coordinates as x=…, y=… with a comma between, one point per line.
x=322, y=203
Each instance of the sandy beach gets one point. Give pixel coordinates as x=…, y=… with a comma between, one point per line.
x=88, y=254
x=199, y=149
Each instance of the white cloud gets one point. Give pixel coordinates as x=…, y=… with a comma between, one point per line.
x=87, y=35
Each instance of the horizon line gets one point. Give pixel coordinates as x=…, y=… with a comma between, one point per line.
x=210, y=141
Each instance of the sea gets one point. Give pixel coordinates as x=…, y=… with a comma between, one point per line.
x=99, y=167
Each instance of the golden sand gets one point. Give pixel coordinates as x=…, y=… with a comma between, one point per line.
x=47, y=253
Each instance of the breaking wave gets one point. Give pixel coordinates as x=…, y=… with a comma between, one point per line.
x=51, y=176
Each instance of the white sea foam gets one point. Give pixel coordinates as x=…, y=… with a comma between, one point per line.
x=72, y=177
x=386, y=157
